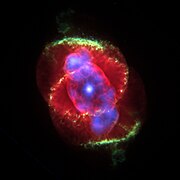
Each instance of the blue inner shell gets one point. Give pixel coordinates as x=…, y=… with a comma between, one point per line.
x=90, y=91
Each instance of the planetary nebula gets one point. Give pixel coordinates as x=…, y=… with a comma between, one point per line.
x=95, y=100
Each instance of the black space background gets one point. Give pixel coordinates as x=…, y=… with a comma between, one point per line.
x=146, y=33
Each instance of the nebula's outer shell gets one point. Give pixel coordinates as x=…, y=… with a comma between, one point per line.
x=74, y=126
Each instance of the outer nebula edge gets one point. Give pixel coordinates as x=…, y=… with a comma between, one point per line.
x=75, y=126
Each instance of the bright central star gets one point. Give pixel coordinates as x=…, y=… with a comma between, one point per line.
x=89, y=88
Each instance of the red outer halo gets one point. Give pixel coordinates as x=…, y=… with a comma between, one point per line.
x=69, y=122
